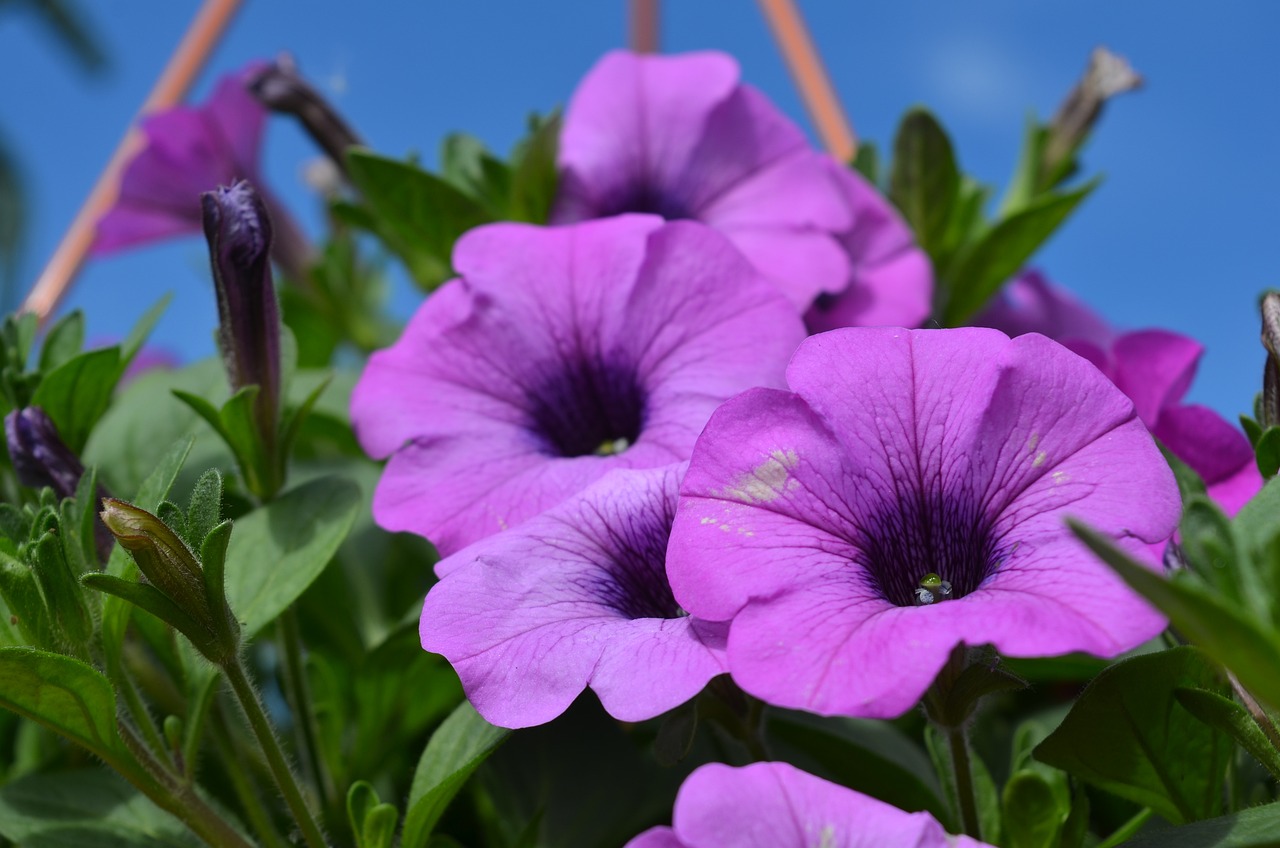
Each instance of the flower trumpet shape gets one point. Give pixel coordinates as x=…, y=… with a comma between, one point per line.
x=908, y=494
x=559, y=355
x=679, y=136
x=575, y=597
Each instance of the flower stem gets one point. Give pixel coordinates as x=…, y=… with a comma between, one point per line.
x=181, y=799
x=141, y=715
x=1260, y=717
x=298, y=693
x=251, y=704
x=234, y=761
x=965, y=794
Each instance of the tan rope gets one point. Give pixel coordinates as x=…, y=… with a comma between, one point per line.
x=185, y=65
x=811, y=78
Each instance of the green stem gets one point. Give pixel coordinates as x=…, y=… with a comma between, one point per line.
x=1260, y=717
x=251, y=704
x=179, y=798
x=965, y=794
x=140, y=714
x=298, y=693
x=234, y=762
x=1127, y=829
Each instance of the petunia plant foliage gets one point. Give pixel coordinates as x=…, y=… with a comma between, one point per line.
x=715, y=493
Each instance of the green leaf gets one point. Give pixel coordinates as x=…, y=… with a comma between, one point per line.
x=138, y=335
x=1252, y=429
x=1231, y=718
x=277, y=551
x=1257, y=535
x=466, y=163
x=146, y=415
x=64, y=341
x=1268, y=452
x=1255, y=828
x=1221, y=629
x=1025, y=184
x=456, y=749
x=534, y=176
x=1032, y=815
x=149, y=598
x=867, y=162
x=77, y=393
x=204, y=509
x=1128, y=734
x=869, y=756
x=25, y=603
x=925, y=180
x=1189, y=482
x=91, y=807
x=418, y=215
x=1209, y=545
x=65, y=695
x=981, y=268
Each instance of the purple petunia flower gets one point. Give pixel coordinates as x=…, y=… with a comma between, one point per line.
x=1153, y=367
x=562, y=353
x=191, y=150
x=891, y=280
x=776, y=805
x=575, y=597
x=681, y=137
x=906, y=468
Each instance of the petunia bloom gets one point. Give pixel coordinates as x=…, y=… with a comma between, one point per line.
x=188, y=151
x=680, y=136
x=576, y=597
x=776, y=805
x=909, y=494
x=1154, y=368
x=891, y=279
x=559, y=355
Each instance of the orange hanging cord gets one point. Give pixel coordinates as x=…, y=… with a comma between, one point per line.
x=811, y=78
x=185, y=65
x=643, y=26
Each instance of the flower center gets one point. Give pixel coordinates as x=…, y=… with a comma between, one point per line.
x=927, y=548
x=644, y=198
x=588, y=407
x=634, y=582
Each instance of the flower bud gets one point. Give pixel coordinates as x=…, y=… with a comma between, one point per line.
x=280, y=88
x=1270, y=407
x=1106, y=76
x=239, y=233
x=39, y=456
x=162, y=556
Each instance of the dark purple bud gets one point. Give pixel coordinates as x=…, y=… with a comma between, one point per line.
x=281, y=89
x=239, y=233
x=1106, y=76
x=39, y=456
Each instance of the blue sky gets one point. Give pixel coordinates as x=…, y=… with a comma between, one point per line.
x=1182, y=234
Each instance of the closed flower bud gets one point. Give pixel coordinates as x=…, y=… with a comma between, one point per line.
x=282, y=89
x=239, y=233
x=1271, y=370
x=162, y=556
x=39, y=456
x=1106, y=76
